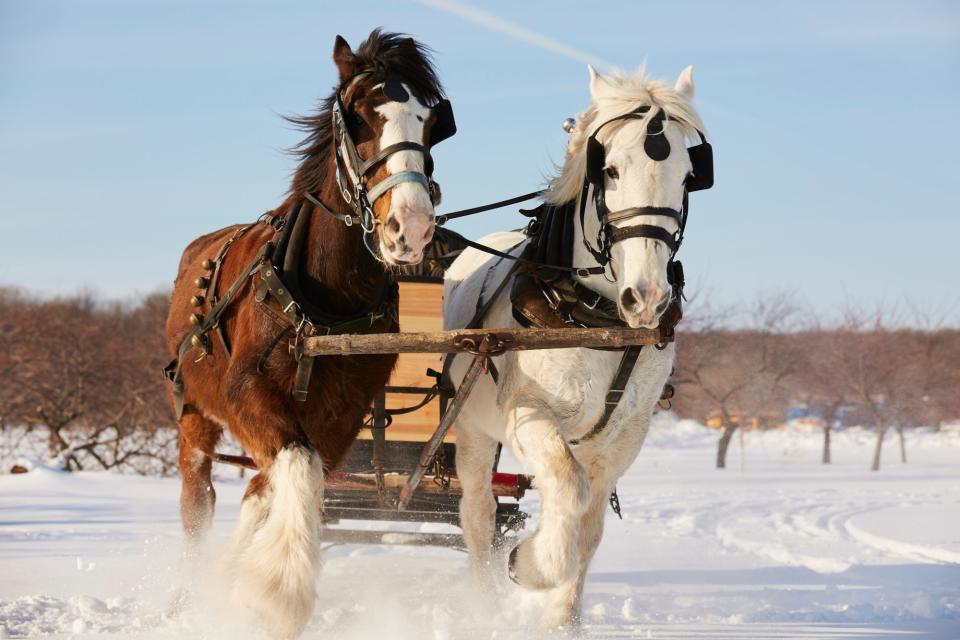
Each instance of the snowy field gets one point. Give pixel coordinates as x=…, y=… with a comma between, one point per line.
x=776, y=546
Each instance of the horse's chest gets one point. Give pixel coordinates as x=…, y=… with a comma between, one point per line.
x=573, y=382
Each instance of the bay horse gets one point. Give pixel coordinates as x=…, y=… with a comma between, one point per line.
x=576, y=418
x=361, y=202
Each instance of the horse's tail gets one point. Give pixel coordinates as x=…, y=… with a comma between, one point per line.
x=277, y=569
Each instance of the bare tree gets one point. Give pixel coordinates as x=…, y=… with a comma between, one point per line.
x=880, y=369
x=87, y=374
x=740, y=373
x=818, y=381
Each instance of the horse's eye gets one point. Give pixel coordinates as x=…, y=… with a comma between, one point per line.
x=358, y=119
x=612, y=173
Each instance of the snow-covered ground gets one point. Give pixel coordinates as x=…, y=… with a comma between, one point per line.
x=776, y=546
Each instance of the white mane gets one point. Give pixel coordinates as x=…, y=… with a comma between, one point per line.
x=625, y=92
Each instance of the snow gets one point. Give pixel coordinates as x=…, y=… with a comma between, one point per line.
x=775, y=546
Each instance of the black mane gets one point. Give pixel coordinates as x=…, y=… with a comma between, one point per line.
x=382, y=53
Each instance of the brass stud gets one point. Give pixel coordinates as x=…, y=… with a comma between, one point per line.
x=195, y=319
x=202, y=282
x=201, y=344
x=196, y=301
x=208, y=264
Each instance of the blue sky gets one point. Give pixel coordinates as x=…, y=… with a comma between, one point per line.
x=129, y=128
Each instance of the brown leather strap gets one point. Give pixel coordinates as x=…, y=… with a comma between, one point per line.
x=301, y=383
x=614, y=392
x=174, y=371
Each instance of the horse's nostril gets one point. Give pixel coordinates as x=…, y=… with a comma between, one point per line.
x=393, y=225
x=629, y=298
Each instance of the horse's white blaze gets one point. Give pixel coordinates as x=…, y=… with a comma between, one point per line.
x=544, y=399
x=410, y=203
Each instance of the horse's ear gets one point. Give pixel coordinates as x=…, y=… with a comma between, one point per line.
x=594, y=80
x=684, y=84
x=343, y=58
x=599, y=87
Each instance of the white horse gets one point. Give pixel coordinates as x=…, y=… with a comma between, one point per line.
x=544, y=400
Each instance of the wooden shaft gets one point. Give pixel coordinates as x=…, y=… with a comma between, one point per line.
x=451, y=341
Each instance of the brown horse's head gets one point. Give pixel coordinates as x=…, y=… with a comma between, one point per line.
x=386, y=113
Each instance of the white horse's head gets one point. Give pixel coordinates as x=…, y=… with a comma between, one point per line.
x=644, y=164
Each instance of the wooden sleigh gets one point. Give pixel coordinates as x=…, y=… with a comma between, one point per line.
x=402, y=466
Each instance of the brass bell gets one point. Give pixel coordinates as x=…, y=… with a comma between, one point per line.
x=208, y=264
x=195, y=319
x=196, y=301
x=569, y=124
x=201, y=345
x=202, y=282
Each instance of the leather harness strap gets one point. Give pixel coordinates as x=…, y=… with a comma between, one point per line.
x=379, y=317
x=614, y=392
x=483, y=307
x=174, y=370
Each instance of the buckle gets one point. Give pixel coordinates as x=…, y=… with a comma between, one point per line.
x=582, y=273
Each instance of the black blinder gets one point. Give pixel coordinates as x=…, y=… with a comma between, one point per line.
x=444, y=126
x=701, y=157
x=595, y=161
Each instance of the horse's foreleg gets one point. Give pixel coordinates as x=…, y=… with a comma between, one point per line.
x=277, y=543
x=563, y=604
x=198, y=437
x=478, y=507
x=550, y=556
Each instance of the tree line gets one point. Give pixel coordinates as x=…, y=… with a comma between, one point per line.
x=893, y=370
x=84, y=375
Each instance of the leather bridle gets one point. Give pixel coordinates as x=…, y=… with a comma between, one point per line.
x=353, y=171
x=657, y=147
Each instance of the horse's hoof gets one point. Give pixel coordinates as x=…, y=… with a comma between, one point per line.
x=522, y=569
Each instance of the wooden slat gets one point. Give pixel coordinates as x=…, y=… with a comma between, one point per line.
x=421, y=309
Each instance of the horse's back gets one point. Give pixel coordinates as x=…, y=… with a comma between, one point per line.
x=469, y=276
x=191, y=268
x=201, y=247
